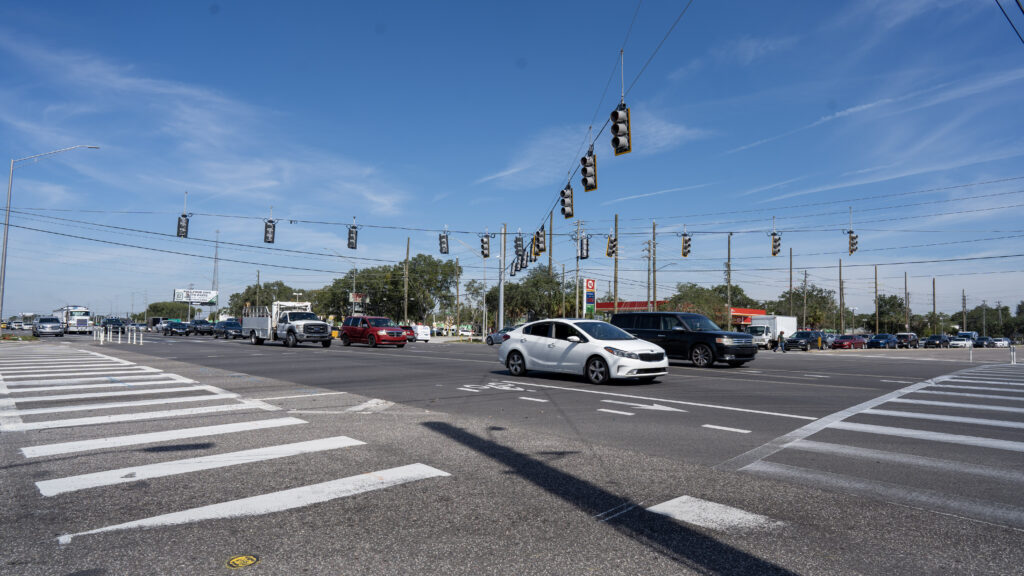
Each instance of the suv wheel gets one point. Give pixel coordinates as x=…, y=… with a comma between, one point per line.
x=371, y=341
x=290, y=340
x=345, y=341
x=516, y=364
x=597, y=370
x=701, y=356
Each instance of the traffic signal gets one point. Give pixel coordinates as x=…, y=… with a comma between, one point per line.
x=612, y=247
x=518, y=246
x=513, y=268
x=686, y=245
x=353, y=235
x=268, y=231
x=567, y=201
x=589, y=171
x=533, y=251
x=776, y=243
x=183, y=226
x=584, y=247
x=485, y=246
x=442, y=240
x=621, y=133
x=853, y=242
x=539, y=241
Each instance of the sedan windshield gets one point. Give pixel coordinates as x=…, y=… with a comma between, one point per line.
x=603, y=331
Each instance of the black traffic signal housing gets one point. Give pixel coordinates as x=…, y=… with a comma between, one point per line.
x=183, y=226
x=566, y=195
x=269, y=227
x=686, y=245
x=588, y=172
x=353, y=236
x=584, y=247
x=539, y=240
x=612, y=247
x=853, y=241
x=442, y=242
x=485, y=246
x=776, y=243
x=622, y=137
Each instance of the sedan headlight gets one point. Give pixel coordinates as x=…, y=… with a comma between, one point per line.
x=724, y=340
x=621, y=353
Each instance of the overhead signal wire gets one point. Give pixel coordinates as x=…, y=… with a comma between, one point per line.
x=1014, y=26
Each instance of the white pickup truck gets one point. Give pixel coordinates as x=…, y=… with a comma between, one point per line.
x=289, y=322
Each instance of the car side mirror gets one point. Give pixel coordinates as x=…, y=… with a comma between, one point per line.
x=678, y=329
x=574, y=339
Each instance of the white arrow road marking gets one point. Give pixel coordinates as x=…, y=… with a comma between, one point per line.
x=713, y=515
x=645, y=406
x=374, y=405
x=713, y=427
x=615, y=412
x=280, y=501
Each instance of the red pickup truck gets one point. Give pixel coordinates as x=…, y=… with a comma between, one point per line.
x=372, y=330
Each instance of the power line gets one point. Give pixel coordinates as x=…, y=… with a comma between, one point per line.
x=1011, y=21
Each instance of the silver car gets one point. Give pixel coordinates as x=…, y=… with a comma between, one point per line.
x=47, y=326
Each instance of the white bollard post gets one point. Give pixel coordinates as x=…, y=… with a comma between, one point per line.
x=140, y=338
x=118, y=336
x=971, y=347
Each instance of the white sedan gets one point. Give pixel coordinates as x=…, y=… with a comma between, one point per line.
x=960, y=342
x=592, y=348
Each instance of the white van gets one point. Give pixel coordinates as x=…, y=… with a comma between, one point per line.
x=422, y=332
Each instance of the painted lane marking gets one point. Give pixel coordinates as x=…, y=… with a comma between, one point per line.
x=92, y=386
x=928, y=499
x=944, y=418
x=816, y=376
x=990, y=388
x=469, y=389
x=911, y=459
x=897, y=381
x=731, y=408
x=280, y=501
x=107, y=405
x=175, y=467
x=85, y=395
x=106, y=372
x=616, y=412
x=713, y=515
x=110, y=379
x=977, y=441
x=960, y=405
x=713, y=427
x=23, y=366
x=737, y=463
x=533, y=399
x=994, y=396
x=93, y=420
x=302, y=396
x=987, y=381
x=7, y=419
x=85, y=369
x=154, y=437
x=372, y=405
x=658, y=407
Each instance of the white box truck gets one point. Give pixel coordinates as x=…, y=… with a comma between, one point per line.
x=765, y=329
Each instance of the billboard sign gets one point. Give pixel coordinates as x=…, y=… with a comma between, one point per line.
x=590, y=295
x=358, y=298
x=201, y=297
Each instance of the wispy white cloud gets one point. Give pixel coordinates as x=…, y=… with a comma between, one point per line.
x=541, y=161
x=649, y=194
x=653, y=133
x=772, y=186
x=748, y=49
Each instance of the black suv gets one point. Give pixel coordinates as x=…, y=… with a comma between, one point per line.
x=937, y=341
x=907, y=340
x=690, y=336
x=200, y=327
x=113, y=325
x=807, y=340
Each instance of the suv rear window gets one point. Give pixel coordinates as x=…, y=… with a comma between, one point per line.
x=625, y=321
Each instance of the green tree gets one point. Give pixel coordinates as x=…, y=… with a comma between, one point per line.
x=261, y=295
x=691, y=297
x=822, y=309
x=168, y=310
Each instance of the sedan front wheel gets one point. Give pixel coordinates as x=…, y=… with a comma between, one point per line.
x=597, y=370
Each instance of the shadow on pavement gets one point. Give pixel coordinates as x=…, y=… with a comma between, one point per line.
x=693, y=549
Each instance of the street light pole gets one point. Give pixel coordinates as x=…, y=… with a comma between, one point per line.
x=7, y=216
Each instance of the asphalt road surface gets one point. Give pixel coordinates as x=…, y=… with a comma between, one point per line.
x=183, y=455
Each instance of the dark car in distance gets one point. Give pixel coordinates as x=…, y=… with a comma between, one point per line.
x=937, y=341
x=200, y=327
x=113, y=325
x=806, y=340
x=689, y=336
x=984, y=342
x=176, y=329
x=907, y=340
x=883, y=341
x=227, y=329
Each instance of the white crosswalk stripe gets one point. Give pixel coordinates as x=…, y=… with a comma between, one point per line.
x=909, y=427
x=39, y=384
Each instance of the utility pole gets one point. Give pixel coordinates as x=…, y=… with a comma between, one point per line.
x=935, y=317
x=906, y=304
x=257, y=289
x=458, y=303
x=984, y=310
x=842, y=304
x=563, y=290
x=728, y=279
x=405, y=283
x=577, y=287
x=999, y=309
x=501, y=281
x=876, y=298
x=804, y=327
x=647, y=256
x=963, y=312
x=790, y=280
x=654, y=266
x=551, y=243
x=615, y=308
x=216, y=270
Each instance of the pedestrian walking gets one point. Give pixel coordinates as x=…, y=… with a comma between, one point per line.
x=781, y=343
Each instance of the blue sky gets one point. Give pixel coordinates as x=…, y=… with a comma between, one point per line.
x=413, y=115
